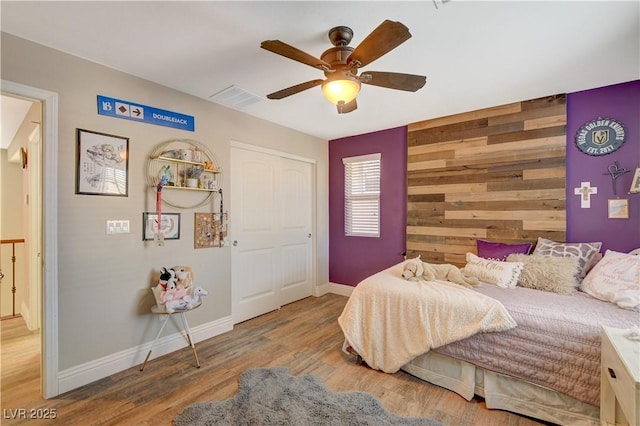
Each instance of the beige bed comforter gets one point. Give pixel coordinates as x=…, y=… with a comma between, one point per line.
x=389, y=320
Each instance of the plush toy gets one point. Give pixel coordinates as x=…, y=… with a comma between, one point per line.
x=173, y=297
x=208, y=165
x=166, y=275
x=415, y=270
x=183, y=276
x=193, y=298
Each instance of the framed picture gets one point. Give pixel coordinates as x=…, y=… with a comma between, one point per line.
x=102, y=166
x=619, y=208
x=635, y=183
x=170, y=226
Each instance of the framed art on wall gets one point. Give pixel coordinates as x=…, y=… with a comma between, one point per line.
x=102, y=166
x=618, y=208
x=170, y=226
x=635, y=183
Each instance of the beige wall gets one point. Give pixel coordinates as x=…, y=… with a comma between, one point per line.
x=104, y=280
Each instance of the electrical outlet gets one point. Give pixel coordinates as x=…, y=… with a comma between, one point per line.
x=117, y=227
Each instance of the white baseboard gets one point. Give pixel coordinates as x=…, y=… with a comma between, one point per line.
x=341, y=289
x=81, y=375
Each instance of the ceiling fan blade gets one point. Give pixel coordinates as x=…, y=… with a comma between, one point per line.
x=348, y=107
x=386, y=37
x=283, y=49
x=294, y=89
x=393, y=80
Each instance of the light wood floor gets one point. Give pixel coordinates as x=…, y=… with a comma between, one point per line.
x=303, y=336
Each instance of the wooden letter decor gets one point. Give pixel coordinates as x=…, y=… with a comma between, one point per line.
x=496, y=174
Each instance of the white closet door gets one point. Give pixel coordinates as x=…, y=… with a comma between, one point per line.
x=295, y=229
x=254, y=255
x=271, y=232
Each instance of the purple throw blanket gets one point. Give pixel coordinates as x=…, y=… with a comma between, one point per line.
x=556, y=343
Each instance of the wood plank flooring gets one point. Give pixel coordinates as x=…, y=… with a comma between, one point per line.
x=303, y=336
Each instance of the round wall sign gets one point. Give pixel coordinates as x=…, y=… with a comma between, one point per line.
x=600, y=137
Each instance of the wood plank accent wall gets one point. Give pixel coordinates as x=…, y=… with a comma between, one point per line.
x=496, y=174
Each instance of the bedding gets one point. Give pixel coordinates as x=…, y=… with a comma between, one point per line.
x=389, y=321
x=552, y=355
x=556, y=343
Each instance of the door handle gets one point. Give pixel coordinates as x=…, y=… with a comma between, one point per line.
x=309, y=236
x=235, y=243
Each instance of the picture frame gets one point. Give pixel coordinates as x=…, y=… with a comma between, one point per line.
x=618, y=208
x=170, y=225
x=635, y=182
x=102, y=164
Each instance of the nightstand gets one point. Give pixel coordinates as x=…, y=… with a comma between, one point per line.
x=620, y=378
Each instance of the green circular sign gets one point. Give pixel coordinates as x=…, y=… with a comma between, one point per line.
x=601, y=136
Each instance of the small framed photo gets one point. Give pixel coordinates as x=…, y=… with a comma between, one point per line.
x=635, y=183
x=102, y=166
x=619, y=208
x=170, y=226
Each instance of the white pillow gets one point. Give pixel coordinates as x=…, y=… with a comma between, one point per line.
x=547, y=273
x=502, y=274
x=615, y=279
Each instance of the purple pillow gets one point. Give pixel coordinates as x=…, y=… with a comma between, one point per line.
x=500, y=251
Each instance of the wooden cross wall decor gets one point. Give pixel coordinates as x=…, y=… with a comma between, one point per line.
x=585, y=191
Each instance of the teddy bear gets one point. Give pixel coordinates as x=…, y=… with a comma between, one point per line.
x=183, y=277
x=415, y=270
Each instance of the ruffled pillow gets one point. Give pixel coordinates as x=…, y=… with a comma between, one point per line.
x=553, y=274
x=583, y=251
x=615, y=279
x=502, y=274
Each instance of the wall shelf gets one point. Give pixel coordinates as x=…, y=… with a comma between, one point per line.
x=190, y=167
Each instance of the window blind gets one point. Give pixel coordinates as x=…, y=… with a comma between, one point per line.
x=362, y=195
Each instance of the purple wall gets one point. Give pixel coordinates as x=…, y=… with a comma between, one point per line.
x=622, y=103
x=352, y=259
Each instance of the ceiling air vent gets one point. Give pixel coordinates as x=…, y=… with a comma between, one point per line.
x=235, y=97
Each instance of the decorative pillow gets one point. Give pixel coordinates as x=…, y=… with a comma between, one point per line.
x=502, y=274
x=583, y=251
x=500, y=251
x=615, y=279
x=553, y=274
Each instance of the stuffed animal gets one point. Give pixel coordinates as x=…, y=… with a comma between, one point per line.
x=193, y=298
x=415, y=270
x=183, y=276
x=173, y=297
x=166, y=276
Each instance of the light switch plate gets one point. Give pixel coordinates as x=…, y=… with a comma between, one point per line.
x=117, y=227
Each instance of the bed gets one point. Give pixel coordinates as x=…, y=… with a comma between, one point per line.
x=546, y=364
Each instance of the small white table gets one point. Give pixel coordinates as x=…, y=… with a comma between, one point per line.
x=619, y=379
x=160, y=310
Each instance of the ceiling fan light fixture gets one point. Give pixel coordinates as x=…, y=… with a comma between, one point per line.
x=340, y=90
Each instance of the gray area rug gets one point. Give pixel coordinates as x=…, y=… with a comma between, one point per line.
x=272, y=396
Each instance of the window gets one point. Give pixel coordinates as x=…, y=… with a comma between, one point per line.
x=362, y=195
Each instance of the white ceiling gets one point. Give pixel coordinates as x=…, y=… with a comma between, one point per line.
x=475, y=54
x=12, y=113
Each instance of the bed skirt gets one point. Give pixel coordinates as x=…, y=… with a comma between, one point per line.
x=502, y=392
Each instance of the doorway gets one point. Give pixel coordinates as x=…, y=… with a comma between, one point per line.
x=272, y=245
x=42, y=226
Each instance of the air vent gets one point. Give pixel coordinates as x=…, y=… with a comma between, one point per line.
x=235, y=97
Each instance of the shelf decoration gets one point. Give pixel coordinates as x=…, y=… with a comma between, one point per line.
x=192, y=173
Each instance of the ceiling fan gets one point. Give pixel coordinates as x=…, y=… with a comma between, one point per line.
x=341, y=63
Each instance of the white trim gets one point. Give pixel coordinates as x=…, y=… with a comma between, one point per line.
x=49, y=346
x=360, y=158
x=341, y=289
x=91, y=371
x=242, y=145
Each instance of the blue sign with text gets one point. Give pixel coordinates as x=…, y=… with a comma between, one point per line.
x=146, y=114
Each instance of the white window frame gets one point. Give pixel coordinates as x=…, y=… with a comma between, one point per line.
x=367, y=223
